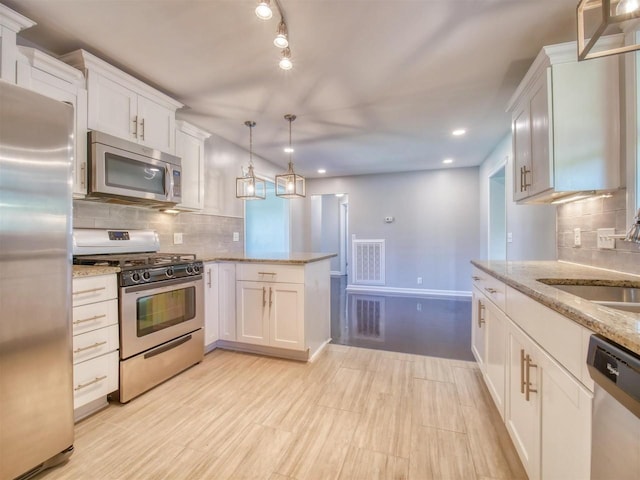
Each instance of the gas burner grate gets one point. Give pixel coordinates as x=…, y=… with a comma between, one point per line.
x=136, y=260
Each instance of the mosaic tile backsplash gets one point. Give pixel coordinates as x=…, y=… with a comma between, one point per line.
x=590, y=215
x=204, y=235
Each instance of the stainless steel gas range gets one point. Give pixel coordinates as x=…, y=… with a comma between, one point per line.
x=161, y=304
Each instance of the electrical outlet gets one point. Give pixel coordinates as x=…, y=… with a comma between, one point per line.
x=577, y=237
x=419, y=307
x=419, y=280
x=177, y=238
x=604, y=241
x=236, y=236
x=509, y=237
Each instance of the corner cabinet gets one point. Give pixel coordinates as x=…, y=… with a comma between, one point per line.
x=532, y=360
x=123, y=106
x=189, y=144
x=566, y=125
x=211, y=303
x=49, y=76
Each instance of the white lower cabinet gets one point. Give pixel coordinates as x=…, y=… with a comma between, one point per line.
x=211, y=304
x=270, y=314
x=537, y=387
x=227, y=301
x=95, y=342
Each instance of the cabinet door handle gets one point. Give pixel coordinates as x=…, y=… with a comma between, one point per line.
x=264, y=297
x=90, y=319
x=525, y=171
x=135, y=126
x=84, y=385
x=521, y=180
x=91, y=290
x=529, y=365
x=209, y=278
x=142, y=125
x=270, y=297
x=481, y=311
x=522, y=370
x=491, y=290
x=90, y=347
x=83, y=174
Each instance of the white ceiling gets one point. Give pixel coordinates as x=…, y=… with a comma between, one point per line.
x=377, y=85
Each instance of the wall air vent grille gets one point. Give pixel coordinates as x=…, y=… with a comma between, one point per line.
x=368, y=262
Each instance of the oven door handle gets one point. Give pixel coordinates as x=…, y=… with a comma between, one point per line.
x=164, y=286
x=168, y=346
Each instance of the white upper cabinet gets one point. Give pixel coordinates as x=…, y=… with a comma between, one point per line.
x=49, y=76
x=123, y=106
x=566, y=125
x=10, y=24
x=190, y=148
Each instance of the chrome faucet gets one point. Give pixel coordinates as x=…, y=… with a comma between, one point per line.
x=633, y=235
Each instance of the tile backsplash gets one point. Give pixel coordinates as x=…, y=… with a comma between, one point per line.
x=204, y=235
x=590, y=215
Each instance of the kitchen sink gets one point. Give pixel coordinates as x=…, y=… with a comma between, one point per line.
x=620, y=298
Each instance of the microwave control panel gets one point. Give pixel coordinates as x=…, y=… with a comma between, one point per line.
x=177, y=183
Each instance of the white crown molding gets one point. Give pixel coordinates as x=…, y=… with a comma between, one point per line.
x=42, y=61
x=13, y=20
x=192, y=130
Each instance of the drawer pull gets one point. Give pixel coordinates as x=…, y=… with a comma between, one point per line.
x=90, y=319
x=266, y=273
x=476, y=278
x=91, y=290
x=481, y=311
x=491, y=290
x=92, y=382
x=90, y=347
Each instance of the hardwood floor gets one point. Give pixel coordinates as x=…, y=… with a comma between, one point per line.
x=351, y=414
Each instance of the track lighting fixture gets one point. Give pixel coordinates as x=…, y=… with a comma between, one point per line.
x=248, y=187
x=281, y=40
x=290, y=184
x=285, y=61
x=263, y=10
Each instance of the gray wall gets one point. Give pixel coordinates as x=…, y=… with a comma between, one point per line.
x=435, y=232
x=533, y=227
x=330, y=229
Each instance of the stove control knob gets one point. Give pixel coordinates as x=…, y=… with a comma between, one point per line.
x=146, y=276
x=169, y=272
x=189, y=269
x=196, y=269
x=135, y=276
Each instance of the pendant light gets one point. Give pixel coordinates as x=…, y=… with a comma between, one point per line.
x=248, y=187
x=263, y=10
x=290, y=184
x=282, y=35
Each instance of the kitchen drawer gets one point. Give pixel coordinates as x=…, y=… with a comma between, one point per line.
x=95, y=343
x=561, y=337
x=94, y=289
x=264, y=272
x=490, y=286
x=95, y=378
x=95, y=315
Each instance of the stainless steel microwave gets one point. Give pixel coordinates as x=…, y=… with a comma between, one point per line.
x=121, y=170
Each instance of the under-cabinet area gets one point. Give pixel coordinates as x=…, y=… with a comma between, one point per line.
x=279, y=308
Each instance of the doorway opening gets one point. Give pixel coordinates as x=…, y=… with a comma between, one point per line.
x=329, y=229
x=497, y=216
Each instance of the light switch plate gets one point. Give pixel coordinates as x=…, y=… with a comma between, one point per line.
x=177, y=238
x=509, y=237
x=577, y=237
x=604, y=241
x=236, y=236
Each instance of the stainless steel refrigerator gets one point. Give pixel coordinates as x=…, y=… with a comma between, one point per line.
x=36, y=375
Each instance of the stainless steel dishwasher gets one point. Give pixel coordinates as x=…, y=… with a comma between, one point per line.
x=615, y=438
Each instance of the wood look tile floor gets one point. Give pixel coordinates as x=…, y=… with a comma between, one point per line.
x=351, y=414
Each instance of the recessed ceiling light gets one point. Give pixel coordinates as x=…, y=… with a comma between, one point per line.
x=447, y=160
x=458, y=132
x=288, y=150
x=322, y=170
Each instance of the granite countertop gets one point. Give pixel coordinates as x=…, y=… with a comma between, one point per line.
x=300, y=258
x=93, y=270
x=617, y=325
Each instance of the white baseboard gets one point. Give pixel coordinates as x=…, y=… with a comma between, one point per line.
x=336, y=273
x=408, y=292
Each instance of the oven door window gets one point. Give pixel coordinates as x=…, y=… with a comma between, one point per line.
x=131, y=174
x=163, y=310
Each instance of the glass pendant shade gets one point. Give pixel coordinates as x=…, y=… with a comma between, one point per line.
x=285, y=60
x=290, y=184
x=248, y=187
x=598, y=19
